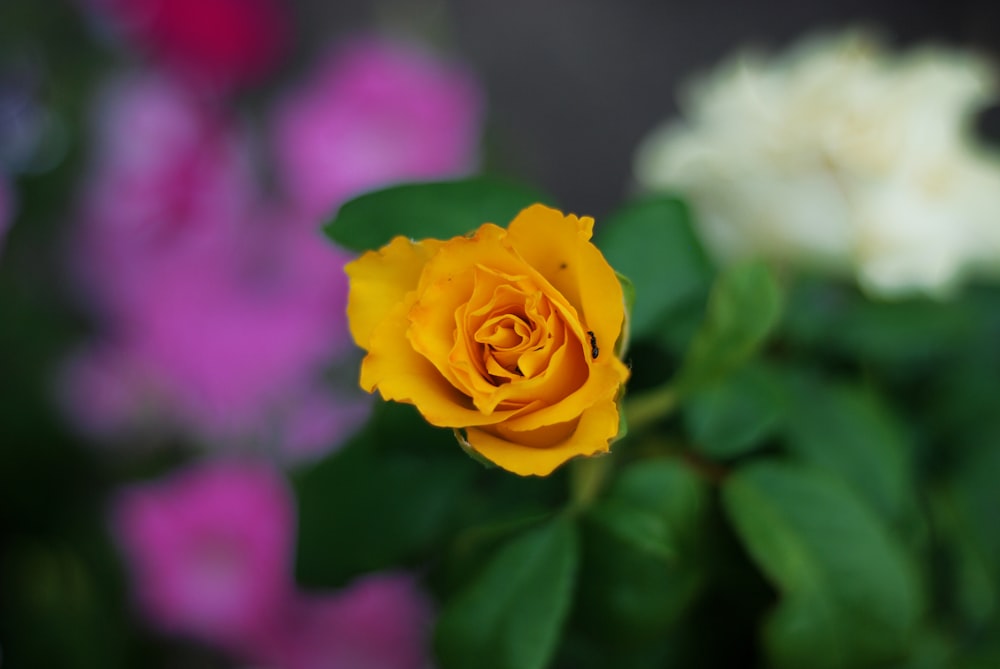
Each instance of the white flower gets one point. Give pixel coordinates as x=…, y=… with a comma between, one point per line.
x=839, y=156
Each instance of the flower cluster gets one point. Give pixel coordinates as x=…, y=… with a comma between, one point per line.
x=841, y=156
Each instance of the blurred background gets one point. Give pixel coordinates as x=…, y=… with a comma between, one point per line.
x=165, y=293
x=573, y=86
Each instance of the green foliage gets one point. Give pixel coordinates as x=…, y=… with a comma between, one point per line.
x=389, y=496
x=837, y=319
x=653, y=242
x=966, y=505
x=743, y=309
x=511, y=616
x=735, y=415
x=849, y=432
x=641, y=564
x=440, y=210
x=848, y=595
x=628, y=294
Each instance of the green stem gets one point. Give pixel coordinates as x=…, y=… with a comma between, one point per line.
x=649, y=407
x=586, y=479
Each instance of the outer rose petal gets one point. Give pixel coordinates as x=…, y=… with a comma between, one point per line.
x=559, y=248
x=598, y=425
x=604, y=380
x=403, y=375
x=380, y=280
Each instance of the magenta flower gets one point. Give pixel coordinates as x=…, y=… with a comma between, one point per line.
x=208, y=550
x=375, y=112
x=231, y=349
x=170, y=183
x=221, y=43
x=221, y=314
x=379, y=622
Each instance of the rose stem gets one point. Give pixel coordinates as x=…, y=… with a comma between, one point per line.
x=586, y=479
x=649, y=407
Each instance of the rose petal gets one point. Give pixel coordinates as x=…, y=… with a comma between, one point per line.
x=603, y=382
x=559, y=248
x=380, y=280
x=597, y=426
x=401, y=374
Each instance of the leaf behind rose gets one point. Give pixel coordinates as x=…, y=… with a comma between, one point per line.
x=511, y=616
x=744, y=308
x=653, y=242
x=849, y=594
x=438, y=209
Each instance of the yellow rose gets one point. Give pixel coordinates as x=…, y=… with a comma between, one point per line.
x=506, y=335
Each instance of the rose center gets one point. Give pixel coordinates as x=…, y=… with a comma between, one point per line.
x=510, y=340
x=504, y=338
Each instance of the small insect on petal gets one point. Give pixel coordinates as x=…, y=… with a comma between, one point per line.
x=594, y=351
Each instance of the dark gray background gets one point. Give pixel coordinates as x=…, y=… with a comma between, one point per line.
x=574, y=84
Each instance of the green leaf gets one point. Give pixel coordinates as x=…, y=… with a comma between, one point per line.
x=965, y=511
x=641, y=565
x=666, y=488
x=628, y=293
x=848, y=431
x=743, y=308
x=735, y=415
x=440, y=210
x=849, y=598
x=581, y=650
x=653, y=242
x=512, y=615
x=972, y=586
x=390, y=495
x=836, y=318
x=974, y=486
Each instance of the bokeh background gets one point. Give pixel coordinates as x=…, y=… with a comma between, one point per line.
x=573, y=86
x=569, y=88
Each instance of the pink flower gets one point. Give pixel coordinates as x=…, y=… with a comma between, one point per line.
x=220, y=43
x=171, y=182
x=378, y=622
x=319, y=418
x=221, y=314
x=103, y=391
x=208, y=550
x=375, y=112
x=232, y=349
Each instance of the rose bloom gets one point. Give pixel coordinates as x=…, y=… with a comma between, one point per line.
x=507, y=335
x=842, y=157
